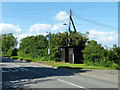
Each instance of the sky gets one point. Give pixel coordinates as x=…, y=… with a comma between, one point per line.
x=24, y=19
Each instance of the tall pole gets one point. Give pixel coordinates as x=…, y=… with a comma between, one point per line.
x=49, y=48
x=69, y=19
x=48, y=38
x=69, y=27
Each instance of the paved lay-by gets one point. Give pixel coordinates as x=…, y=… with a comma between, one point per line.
x=19, y=74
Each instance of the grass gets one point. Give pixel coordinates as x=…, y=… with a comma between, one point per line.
x=73, y=66
x=78, y=66
x=64, y=65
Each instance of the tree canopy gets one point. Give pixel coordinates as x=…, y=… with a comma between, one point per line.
x=95, y=54
x=36, y=46
x=9, y=42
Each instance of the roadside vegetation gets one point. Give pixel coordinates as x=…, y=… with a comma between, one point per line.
x=35, y=49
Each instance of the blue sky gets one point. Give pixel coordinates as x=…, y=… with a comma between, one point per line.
x=33, y=18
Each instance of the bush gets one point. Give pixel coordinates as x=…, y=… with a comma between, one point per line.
x=21, y=58
x=115, y=66
x=95, y=54
x=92, y=53
x=36, y=47
x=9, y=53
x=28, y=59
x=14, y=57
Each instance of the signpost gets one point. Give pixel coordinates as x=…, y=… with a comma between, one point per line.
x=48, y=51
x=48, y=38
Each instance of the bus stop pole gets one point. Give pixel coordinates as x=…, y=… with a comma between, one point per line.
x=49, y=49
x=73, y=58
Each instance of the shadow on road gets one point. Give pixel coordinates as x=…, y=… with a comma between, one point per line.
x=33, y=75
x=9, y=60
x=14, y=79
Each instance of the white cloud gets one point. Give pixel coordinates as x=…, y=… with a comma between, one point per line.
x=61, y=16
x=9, y=28
x=21, y=36
x=105, y=38
x=57, y=27
x=61, y=31
x=37, y=28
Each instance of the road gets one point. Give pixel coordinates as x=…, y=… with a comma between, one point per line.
x=21, y=74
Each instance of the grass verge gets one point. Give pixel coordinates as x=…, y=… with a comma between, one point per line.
x=78, y=66
x=64, y=65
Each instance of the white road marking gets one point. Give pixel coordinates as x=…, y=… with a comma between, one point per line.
x=13, y=70
x=16, y=70
x=3, y=70
x=10, y=69
x=23, y=69
x=71, y=83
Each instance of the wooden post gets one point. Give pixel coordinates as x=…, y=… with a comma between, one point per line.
x=69, y=19
x=69, y=27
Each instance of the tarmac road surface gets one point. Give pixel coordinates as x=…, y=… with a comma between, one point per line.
x=21, y=74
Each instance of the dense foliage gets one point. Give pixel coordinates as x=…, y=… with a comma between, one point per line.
x=61, y=39
x=37, y=46
x=9, y=43
x=0, y=43
x=95, y=54
x=33, y=47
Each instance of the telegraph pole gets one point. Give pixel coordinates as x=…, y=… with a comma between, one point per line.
x=69, y=27
x=69, y=19
x=69, y=31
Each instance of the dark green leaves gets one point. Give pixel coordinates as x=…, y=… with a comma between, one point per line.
x=95, y=54
x=9, y=43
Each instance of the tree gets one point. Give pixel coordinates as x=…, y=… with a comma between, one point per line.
x=114, y=55
x=37, y=46
x=78, y=39
x=8, y=42
x=33, y=46
x=93, y=53
x=61, y=39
